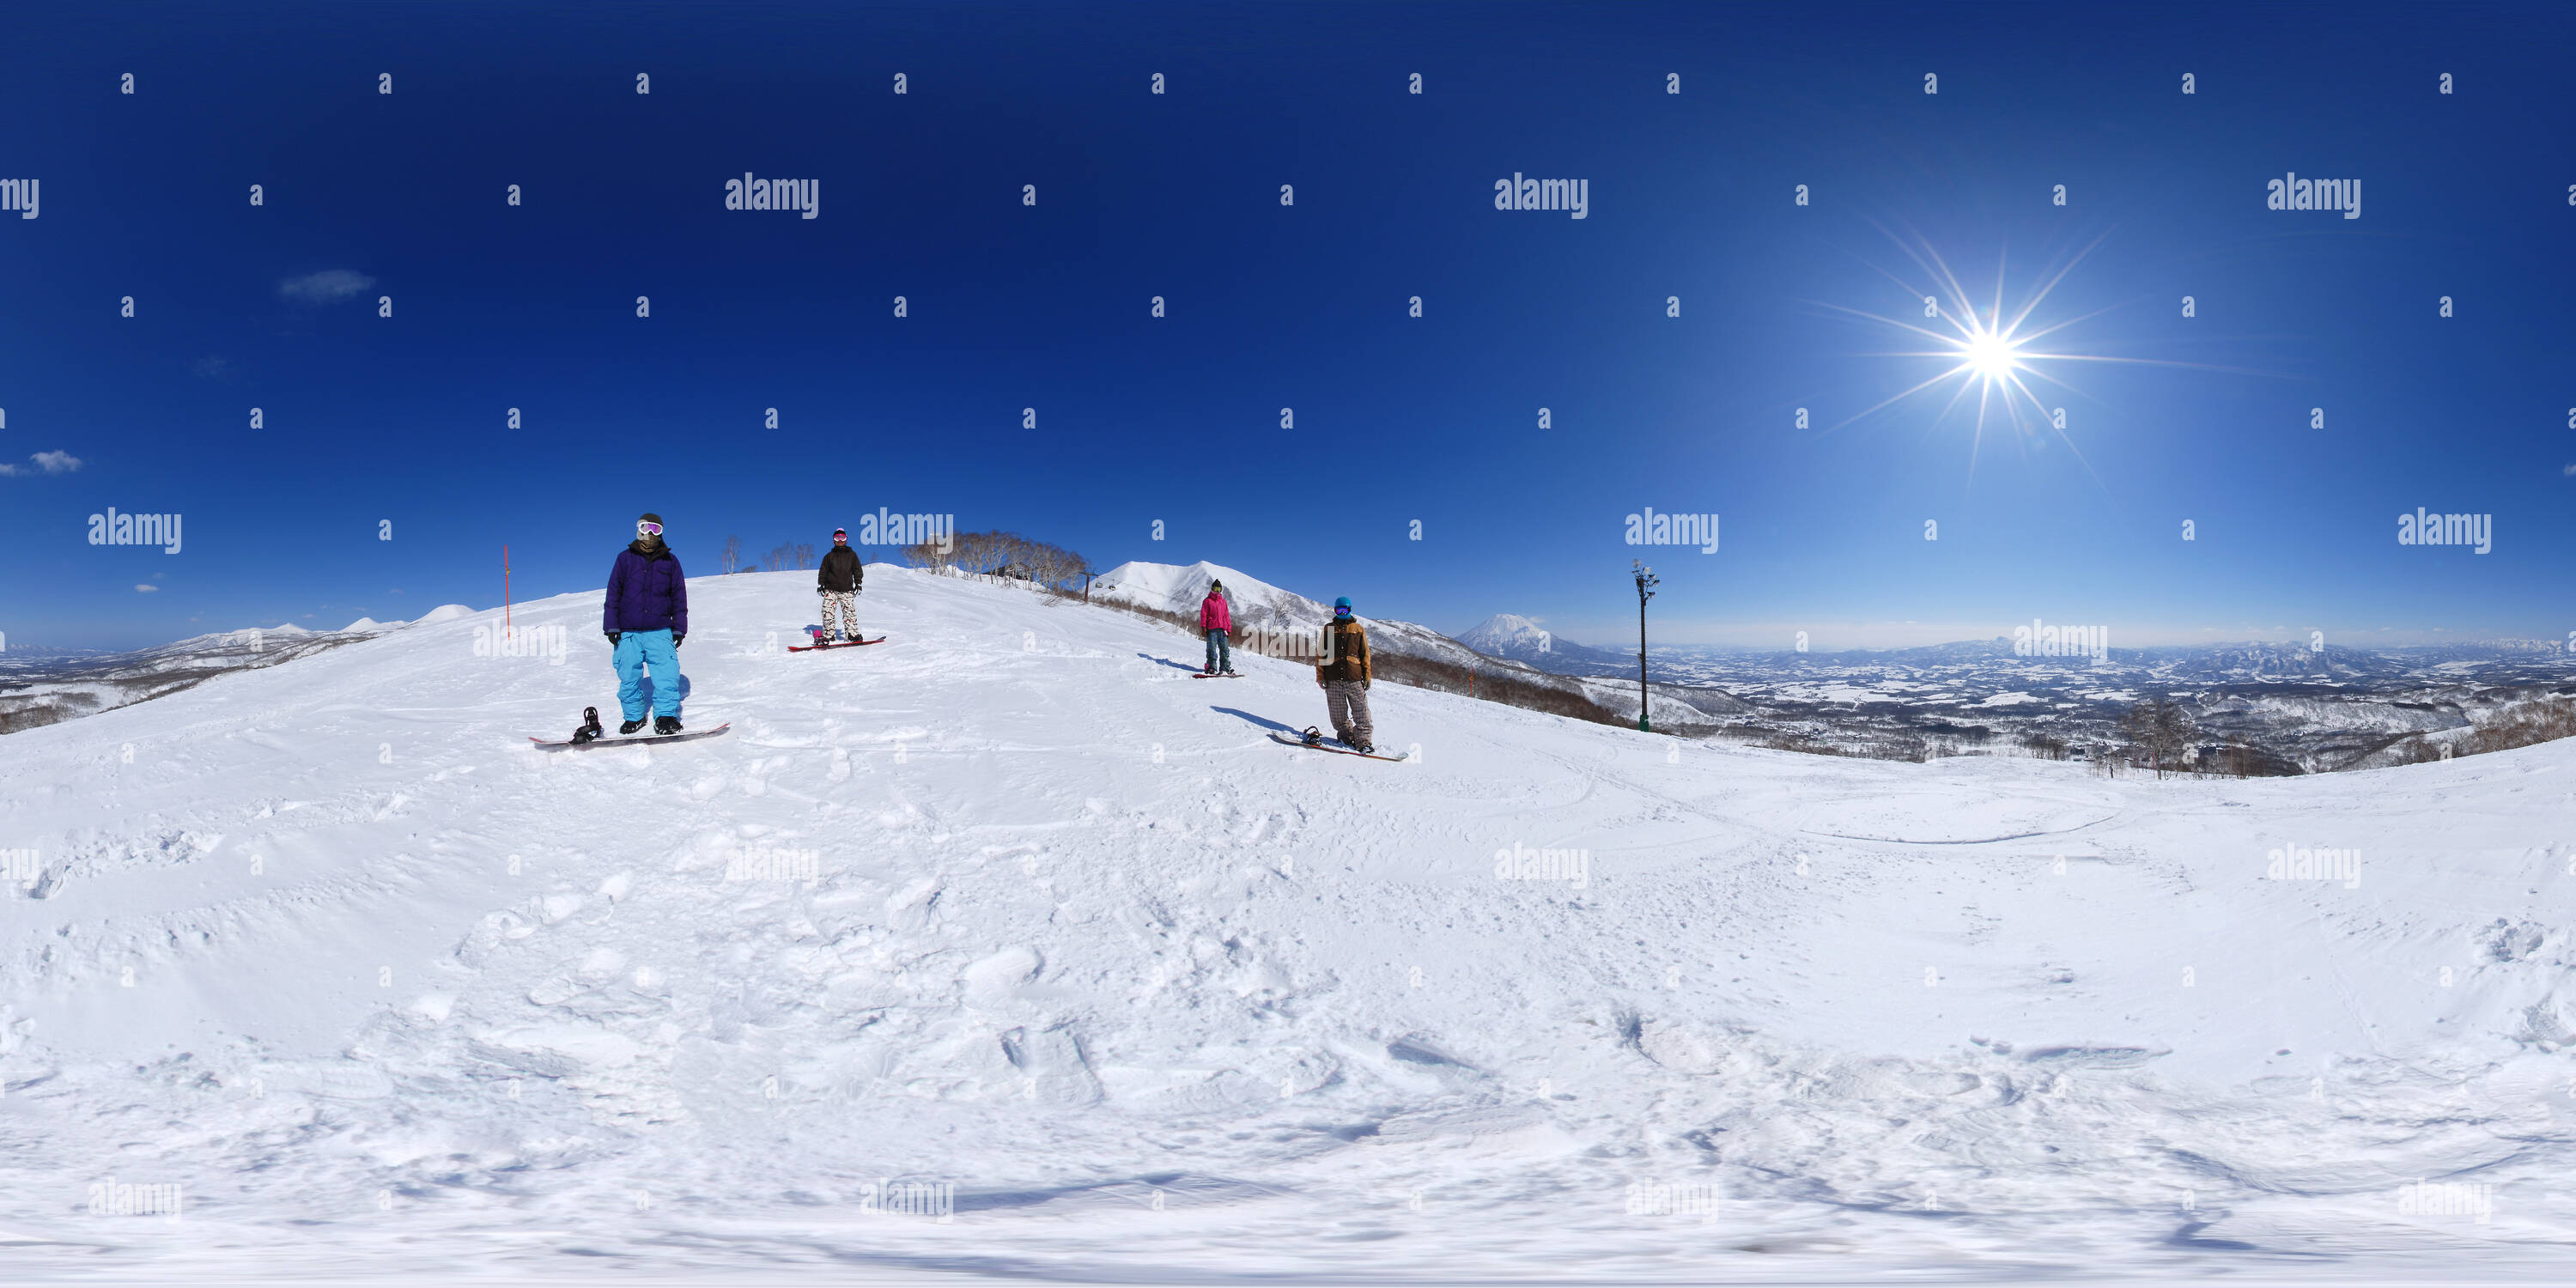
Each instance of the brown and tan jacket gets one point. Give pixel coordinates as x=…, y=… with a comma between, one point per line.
x=1346, y=643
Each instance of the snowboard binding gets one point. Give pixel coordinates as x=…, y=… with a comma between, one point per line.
x=1313, y=737
x=589, y=729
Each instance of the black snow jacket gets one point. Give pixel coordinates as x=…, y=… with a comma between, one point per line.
x=840, y=571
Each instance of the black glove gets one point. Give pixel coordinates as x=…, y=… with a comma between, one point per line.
x=613, y=637
x=1364, y=686
x=678, y=640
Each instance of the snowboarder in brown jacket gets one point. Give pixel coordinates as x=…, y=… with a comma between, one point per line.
x=1343, y=675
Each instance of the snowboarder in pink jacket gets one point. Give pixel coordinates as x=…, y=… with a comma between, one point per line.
x=1216, y=618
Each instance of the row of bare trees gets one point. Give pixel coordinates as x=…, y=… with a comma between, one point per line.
x=1005, y=555
x=784, y=557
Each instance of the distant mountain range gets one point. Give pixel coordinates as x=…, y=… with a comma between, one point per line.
x=40, y=686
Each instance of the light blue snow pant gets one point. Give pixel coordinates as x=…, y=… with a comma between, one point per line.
x=1219, y=657
x=637, y=650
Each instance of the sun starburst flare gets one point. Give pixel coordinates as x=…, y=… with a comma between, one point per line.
x=1990, y=351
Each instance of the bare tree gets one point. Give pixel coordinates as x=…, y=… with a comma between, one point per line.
x=2161, y=729
x=932, y=555
x=732, y=554
x=804, y=555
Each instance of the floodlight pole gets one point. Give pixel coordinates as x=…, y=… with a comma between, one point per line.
x=1646, y=583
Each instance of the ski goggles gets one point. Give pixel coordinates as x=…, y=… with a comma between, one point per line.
x=648, y=529
x=839, y=535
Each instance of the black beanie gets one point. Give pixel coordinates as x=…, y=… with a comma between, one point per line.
x=648, y=517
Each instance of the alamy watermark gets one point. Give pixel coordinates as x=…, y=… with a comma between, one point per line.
x=763, y=863
x=936, y=1200
x=804, y=196
x=2424, y=529
x=2294, y=193
x=112, y=1198
x=1521, y=863
x=2039, y=639
x=495, y=640
x=2299, y=863
x=1652, y=529
x=2472, y=1199
x=119, y=529
x=885, y=528
x=21, y=868
x=1652, y=1198
x=19, y=195
x=1574, y=196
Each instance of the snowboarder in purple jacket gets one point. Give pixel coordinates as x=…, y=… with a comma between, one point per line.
x=646, y=619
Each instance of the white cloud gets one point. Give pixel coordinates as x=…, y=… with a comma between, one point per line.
x=146, y=587
x=46, y=462
x=329, y=286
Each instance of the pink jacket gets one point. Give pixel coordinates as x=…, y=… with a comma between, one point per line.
x=1214, y=615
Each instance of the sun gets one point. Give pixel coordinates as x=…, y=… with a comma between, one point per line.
x=1988, y=354
x=1983, y=350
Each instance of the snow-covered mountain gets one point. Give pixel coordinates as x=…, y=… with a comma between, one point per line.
x=1504, y=635
x=1522, y=640
x=1010, y=917
x=1180, y=588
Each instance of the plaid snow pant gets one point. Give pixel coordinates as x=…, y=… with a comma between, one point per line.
x=844, y=605
x=1219, y=657
x=1347, y=704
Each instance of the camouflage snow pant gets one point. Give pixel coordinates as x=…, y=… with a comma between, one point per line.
x=1347, y=705
x=843, y=605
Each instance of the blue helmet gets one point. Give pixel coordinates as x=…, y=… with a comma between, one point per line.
x=1342, y=606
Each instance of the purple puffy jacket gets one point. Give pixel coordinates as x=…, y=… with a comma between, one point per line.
x=646, y=593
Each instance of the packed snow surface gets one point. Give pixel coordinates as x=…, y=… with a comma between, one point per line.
x=1012, y=905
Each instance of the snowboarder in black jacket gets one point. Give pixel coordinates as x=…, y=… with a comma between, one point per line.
x=838, y=582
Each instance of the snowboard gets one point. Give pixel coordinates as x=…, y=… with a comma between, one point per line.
x=1216, y=675
x=631, y=740
x=1339, y=751
x=809, y=648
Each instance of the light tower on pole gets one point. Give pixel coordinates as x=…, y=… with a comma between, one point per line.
x=1646, y=583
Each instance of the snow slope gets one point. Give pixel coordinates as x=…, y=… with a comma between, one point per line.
x=382, y=990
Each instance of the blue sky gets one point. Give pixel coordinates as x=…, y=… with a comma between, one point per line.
x=402, y=419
